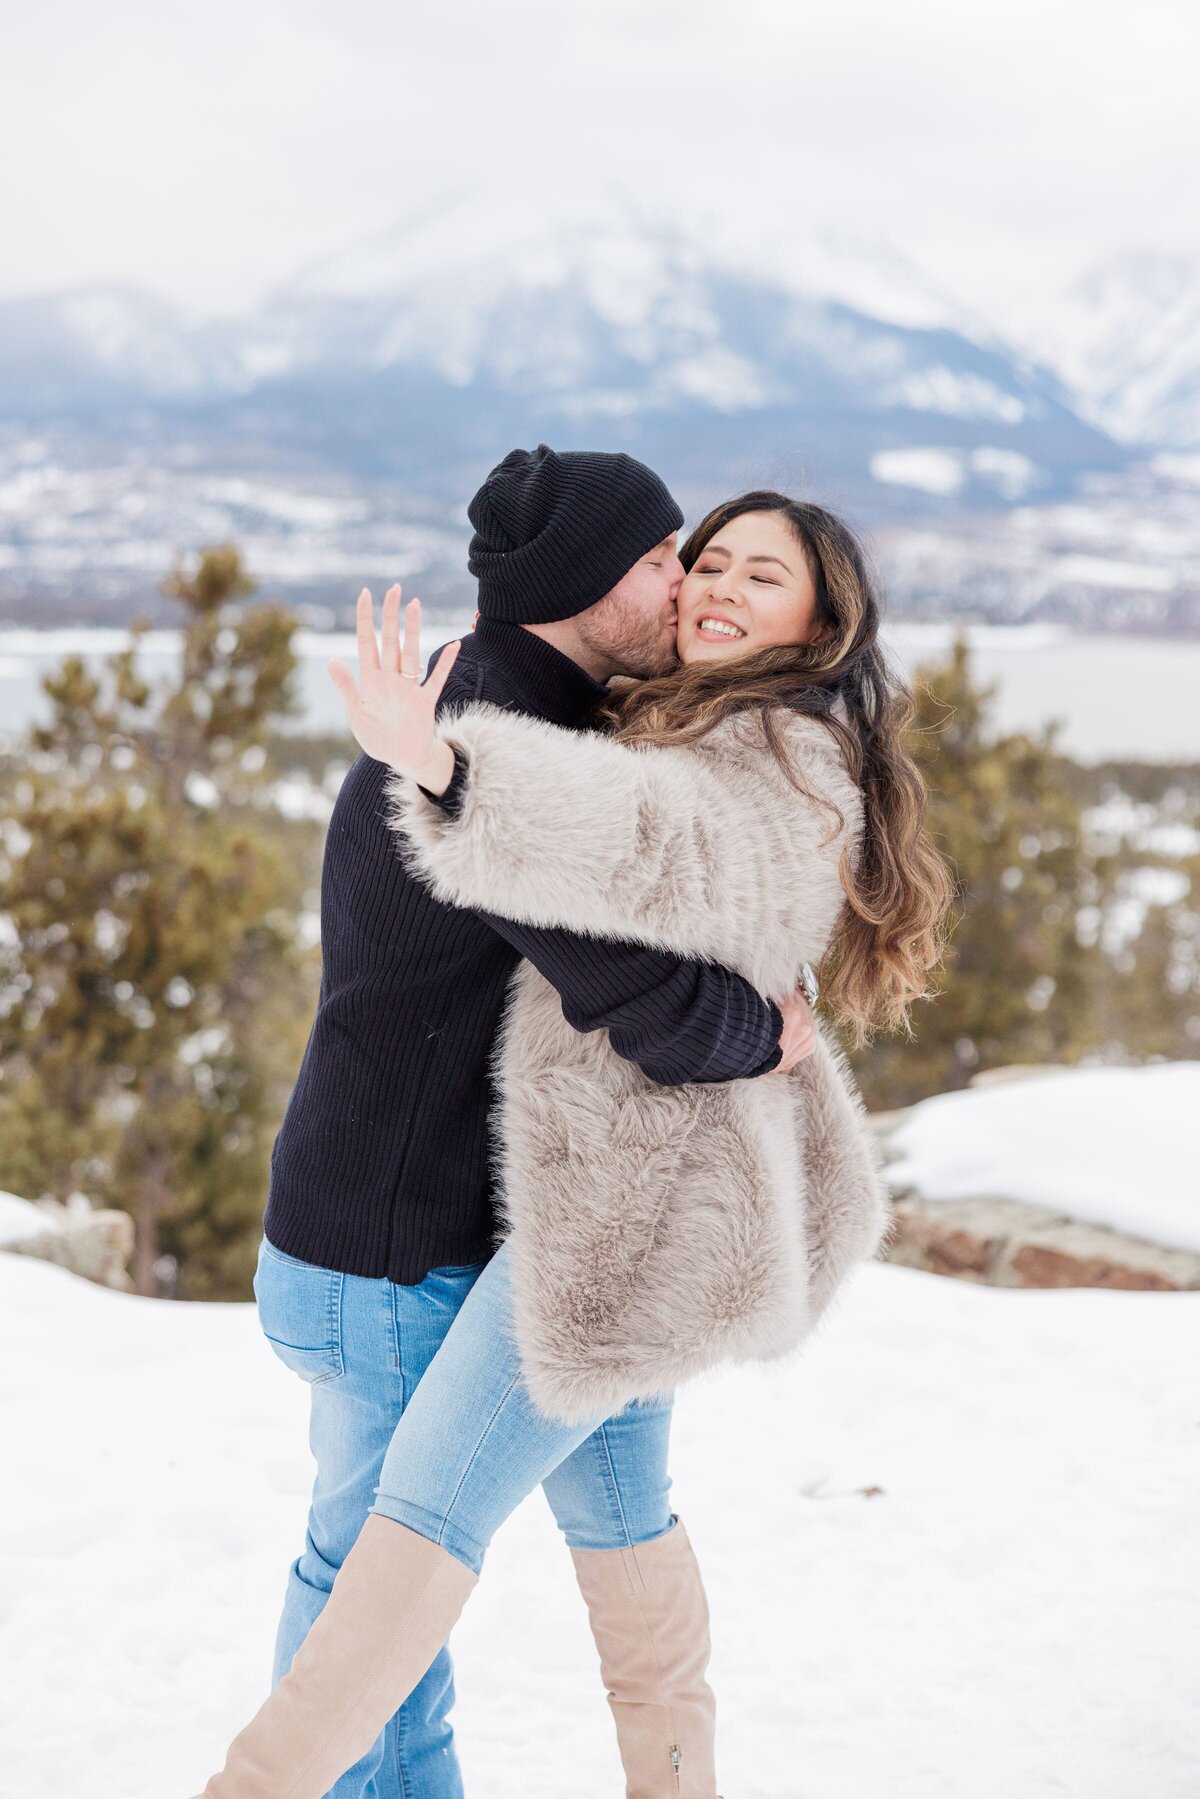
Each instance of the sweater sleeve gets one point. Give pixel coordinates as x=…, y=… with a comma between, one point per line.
x=680, y=1020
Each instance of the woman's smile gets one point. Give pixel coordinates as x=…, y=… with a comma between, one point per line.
x=711, y=624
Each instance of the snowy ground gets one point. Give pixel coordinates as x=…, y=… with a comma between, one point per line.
x=1016, y=1613
x=1110, y=1146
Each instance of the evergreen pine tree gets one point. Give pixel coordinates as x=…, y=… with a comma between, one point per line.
x=153, y=982
x=1018, y=981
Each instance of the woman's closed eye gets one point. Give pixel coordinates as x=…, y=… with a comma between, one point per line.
x=708, y=569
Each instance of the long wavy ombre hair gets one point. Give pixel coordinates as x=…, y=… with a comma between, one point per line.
x=891, y=931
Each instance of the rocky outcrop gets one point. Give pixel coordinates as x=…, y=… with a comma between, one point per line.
x=98, y=1245
x=1006, y=1242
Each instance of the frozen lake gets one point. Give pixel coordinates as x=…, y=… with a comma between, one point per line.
x=1132, y=697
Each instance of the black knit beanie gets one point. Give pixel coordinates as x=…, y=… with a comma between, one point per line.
x=554, y=531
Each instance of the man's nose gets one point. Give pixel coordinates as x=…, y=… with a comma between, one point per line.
x=676, y=578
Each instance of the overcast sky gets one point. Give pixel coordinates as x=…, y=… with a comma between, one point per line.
x=206, y=152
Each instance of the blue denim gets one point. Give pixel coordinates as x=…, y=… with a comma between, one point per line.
x=434, y=1424
x=471, y=1445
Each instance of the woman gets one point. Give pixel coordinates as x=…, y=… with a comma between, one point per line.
x=757, y=806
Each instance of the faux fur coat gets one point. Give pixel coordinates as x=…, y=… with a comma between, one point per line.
x=657, y=1231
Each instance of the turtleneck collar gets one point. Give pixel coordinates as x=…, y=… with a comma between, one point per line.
x=554, y=687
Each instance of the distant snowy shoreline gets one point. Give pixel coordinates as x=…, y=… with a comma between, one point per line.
x=1118, y=696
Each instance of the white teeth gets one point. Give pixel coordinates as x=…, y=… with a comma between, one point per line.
x=717, y=628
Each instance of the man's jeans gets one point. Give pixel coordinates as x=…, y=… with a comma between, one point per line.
x=435, y=1427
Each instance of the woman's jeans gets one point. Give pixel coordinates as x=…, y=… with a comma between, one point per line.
x=435, y=1426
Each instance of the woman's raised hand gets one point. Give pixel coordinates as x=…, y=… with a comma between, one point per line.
x=388, y=709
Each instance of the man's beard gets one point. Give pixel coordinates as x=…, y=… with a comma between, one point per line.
x=634, y=644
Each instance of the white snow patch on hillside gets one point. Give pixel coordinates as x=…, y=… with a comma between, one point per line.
x=943, y=471
x=930, y=471
x=1009, y=472
x=1107, y=571
x=1110, y=1146
x=1125, y=338
x=1013, y=1613
x=963, y=396
x=719, y=377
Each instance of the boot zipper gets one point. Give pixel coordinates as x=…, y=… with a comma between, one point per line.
x=676, y=1759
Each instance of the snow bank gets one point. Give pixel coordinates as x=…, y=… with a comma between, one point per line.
x=1112, y=1146
x=1013, y=1613
x=19, y=1221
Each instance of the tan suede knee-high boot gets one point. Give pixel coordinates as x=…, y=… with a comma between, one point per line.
x=395, y=1600
x=649, y=1617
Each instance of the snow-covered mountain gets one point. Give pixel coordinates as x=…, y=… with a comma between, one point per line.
x=92, y=348
x=1125, y=340
x=340, y=424
x=445, y=271
x=419, y=355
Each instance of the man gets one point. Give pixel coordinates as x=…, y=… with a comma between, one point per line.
x=380, y=1211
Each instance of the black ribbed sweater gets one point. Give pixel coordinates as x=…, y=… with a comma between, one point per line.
x=381, y=1166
